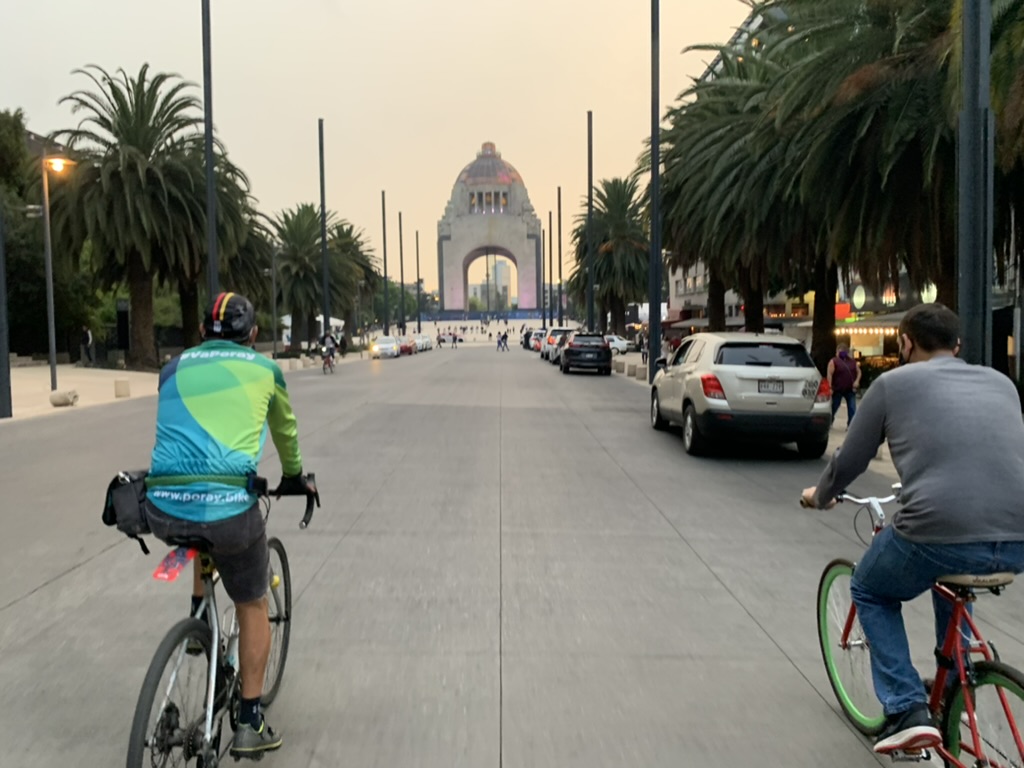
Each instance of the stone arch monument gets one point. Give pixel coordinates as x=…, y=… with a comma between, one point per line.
x=489, y=213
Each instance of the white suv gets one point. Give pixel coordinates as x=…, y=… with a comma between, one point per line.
x=550, y=340
x=743, y=386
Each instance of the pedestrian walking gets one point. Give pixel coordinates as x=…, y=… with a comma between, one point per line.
x=643, y=348
x=844, y=380
x=86, y=346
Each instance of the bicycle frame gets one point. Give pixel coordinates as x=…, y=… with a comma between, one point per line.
x=955, y=652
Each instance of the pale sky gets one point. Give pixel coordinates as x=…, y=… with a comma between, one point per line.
x=408, y=90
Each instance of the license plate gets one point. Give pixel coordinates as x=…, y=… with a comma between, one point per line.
x=770, y=387
x=589, y=355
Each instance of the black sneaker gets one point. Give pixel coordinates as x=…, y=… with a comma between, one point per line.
x=908, y=730
x=252, y=743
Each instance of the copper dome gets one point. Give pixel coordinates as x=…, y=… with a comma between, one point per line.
x=489, y=169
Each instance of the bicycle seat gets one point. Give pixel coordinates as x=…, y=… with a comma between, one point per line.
x=981, y=581
x=189, y=542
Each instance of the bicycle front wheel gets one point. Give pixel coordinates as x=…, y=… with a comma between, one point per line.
x=848, y=663
x=998, y=699
x=170, y=715
x=279, y=603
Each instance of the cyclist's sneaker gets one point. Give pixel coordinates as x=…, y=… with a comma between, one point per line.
x=908, y=730
x=250, y=742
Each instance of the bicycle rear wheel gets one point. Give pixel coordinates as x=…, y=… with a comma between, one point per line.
x=848, y=665
x=998, y=698
x=169, y=721
x=279, y=603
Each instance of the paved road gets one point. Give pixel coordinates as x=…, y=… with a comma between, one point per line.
x=511, y=569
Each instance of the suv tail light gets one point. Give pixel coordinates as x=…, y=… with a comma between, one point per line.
x=551, y=340
x=712, y=387
x=824, y=392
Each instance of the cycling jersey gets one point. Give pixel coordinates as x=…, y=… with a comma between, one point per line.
x=216, y=402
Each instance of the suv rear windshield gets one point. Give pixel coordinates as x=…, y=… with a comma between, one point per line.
x=588, y=339
x=765, y=354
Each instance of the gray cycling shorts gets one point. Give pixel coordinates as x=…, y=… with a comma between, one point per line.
x=238, y=546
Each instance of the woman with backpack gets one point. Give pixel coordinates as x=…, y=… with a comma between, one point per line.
x=844, y=379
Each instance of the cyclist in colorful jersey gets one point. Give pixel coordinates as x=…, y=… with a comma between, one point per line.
x=216, y=402
x=957, y=441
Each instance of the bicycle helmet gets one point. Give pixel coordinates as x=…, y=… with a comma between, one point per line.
x=230, y=316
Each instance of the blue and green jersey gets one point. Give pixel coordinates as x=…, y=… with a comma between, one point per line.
x=216, y=403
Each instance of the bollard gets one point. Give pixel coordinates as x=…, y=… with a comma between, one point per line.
x=641, y=373
x=631, y=369
x=293, y=364
x=619, y=365
x=122, y=388
x=62, y=399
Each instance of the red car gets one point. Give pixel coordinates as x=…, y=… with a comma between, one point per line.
x=407, y=346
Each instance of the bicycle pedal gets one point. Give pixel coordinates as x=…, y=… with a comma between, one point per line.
x=910, y=755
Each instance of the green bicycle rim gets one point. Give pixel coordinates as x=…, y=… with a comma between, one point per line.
x=988, y=673
x=828, y=648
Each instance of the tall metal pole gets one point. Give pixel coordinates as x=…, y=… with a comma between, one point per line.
x=551, y=272
x=419, y=301
x=590, y=220
x=654, y=268
x=48, y=262
x=975, y=180
x=561, y=315
x=384, y=220
x=401, y=279
x=325, y=280
x=273, y=290
x=544, y=295
x=5, y=341
x=212, y=260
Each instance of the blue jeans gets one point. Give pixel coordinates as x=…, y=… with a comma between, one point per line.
x=851, y=404
x=894, y=570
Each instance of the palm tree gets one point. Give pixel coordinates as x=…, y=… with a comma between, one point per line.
x=299, y=265
x=359, y=279
x=621, y=250
x=133, y=191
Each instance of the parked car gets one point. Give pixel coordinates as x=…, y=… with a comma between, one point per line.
x=743, y=386
x=586, y=350
x=408, y=346
x=525, y=337
x=536, y=338
x=424, y=342
x=619, y=345
x=549, y=341
x=555, y=355
x=385, y=346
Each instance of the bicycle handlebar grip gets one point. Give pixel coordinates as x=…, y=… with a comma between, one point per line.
x=311, y=498
x=805, y=503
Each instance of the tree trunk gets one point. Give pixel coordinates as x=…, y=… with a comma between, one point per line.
x=945, y=282
x=312, y=335
x=823, y=332
x=753, y=303
x=142, y=340
x=716, y=301
x=188, y=295
x=618, y=320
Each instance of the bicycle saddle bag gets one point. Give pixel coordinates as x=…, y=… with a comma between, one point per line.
x=125, y=506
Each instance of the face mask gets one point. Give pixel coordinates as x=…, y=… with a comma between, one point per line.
x=843, y=354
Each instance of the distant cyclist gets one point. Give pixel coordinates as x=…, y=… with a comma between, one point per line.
x=215, y=404
x=957, y=440
x=330, y=342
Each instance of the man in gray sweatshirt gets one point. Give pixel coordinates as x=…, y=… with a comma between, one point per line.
x=956, y=437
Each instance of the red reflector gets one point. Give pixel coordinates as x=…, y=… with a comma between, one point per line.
x=824, y=392
x=712, y=387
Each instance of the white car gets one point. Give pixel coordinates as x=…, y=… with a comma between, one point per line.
x=550, y=340
x=619, y=345
x=385, y=346
x=743, y=386
x=423, y=342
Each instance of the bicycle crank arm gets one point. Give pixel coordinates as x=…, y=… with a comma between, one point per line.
x=911, y=756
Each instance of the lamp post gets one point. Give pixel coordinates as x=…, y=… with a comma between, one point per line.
x=212, y=275
x=401, y=277
x=57, y=165
x=384, y=224
x=561, y=317
x=419, y=299
x=326, y=286
x=273, y=293
x=590, y=220
x=5, y=341
x=551, y=274
x=359, y=316
x=654, y=268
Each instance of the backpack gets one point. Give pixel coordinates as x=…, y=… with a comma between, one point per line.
x=125, y=505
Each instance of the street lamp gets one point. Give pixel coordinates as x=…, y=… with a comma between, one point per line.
x=359, y=316
x=57, y=165
x=273, y=292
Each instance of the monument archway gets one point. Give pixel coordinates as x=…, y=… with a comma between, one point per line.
x=496, y=278
x=489, y=212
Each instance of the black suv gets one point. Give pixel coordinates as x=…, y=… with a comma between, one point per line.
x=586, y=350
